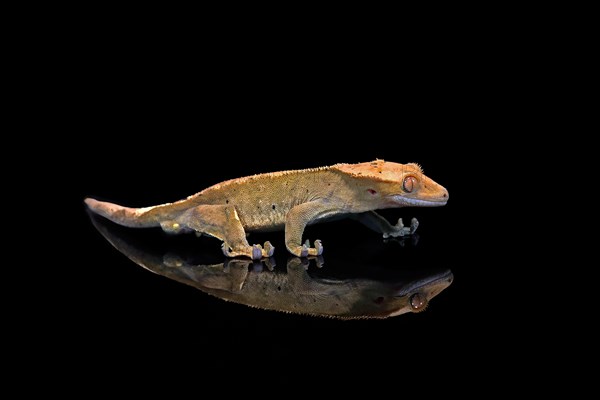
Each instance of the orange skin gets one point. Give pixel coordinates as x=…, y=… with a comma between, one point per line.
x=289, y=201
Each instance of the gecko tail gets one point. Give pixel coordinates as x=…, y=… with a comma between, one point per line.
x=126, y=216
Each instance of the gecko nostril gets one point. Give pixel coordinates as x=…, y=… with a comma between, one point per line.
x=445, y=194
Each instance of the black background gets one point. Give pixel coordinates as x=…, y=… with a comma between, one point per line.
x=128, y=316
x=138, y=130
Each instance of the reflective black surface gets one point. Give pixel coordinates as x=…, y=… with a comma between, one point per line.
x=143, y=120
x=361, y=291
x=102, y=306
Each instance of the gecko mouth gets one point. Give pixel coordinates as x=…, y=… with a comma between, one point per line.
x=407, y=201
x=435, y=281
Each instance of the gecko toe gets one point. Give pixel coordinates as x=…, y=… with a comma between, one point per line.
x=304, y=251
x=318, y=247
x=269, y=249
x=226, y=250
x=414, y=224
x=270, y=263
x=257, y=252
x=319, y=261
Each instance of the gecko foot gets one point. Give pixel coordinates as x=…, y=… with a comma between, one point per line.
x=399, y=230
x=255, y=252
x=258, y=252
x=295, y=262
x=305, y=250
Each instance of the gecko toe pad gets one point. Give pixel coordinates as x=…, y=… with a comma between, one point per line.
x=269, y=249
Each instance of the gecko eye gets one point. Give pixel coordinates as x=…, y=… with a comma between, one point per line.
x=418, y=302
x=409, y=184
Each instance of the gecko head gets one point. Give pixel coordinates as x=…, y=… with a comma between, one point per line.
x=414, y=188
x=396, y=185
x=398, y=293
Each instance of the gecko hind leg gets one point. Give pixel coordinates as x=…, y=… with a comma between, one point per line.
x=223, y=222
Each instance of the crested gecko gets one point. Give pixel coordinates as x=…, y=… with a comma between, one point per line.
x=289, y=201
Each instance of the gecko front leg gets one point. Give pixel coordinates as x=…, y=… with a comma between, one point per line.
x=379, y=224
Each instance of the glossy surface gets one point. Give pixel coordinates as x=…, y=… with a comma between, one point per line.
x=294, y=288
x=98, y=307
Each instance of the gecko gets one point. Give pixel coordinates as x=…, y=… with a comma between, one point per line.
x=289, y=201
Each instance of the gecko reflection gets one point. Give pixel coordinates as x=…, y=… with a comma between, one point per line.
x=296, y=288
